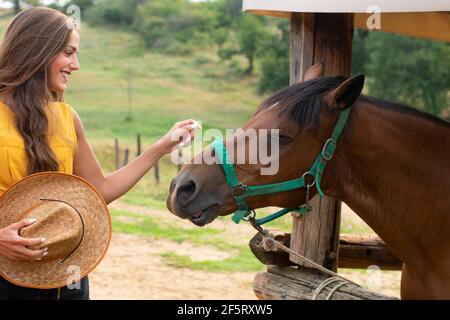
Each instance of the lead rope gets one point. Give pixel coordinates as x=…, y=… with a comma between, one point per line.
x=269, y=241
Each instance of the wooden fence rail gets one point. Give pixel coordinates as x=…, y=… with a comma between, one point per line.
x=355, y=252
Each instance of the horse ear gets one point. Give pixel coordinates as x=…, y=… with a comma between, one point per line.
x=343, y=96
x=314, y=72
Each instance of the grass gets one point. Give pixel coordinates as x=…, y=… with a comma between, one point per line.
x=241, y=259
x=244, y=261
x=164, y=90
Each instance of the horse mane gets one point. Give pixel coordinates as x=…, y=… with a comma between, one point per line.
x=302, y=102
x=403, y=108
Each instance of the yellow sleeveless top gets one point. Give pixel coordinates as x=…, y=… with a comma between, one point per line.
x=13, y=158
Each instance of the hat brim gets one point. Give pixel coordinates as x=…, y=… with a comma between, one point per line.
x=89, y=203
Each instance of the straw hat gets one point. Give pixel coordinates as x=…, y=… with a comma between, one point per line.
x=70, y=214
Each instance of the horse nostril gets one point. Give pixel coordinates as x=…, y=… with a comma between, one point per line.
x=185, y=192
x=172, y=186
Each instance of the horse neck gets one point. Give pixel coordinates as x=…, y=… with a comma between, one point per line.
x=391, y=167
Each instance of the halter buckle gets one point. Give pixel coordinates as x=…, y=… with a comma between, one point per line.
x=328, y=149
x=240, y=188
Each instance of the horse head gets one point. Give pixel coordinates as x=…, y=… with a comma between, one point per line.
x=294, y=126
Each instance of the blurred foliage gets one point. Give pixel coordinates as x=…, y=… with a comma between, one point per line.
x=83, y=4
x=274, y=55
x=175, y=26
x=111, y=12
x=410, y=70
x=413, y=71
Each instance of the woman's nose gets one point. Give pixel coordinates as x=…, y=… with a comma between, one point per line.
x=75, y=65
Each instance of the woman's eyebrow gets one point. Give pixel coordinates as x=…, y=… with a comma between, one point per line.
x=73, y=48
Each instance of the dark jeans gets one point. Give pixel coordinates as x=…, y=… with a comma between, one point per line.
x=9, y=291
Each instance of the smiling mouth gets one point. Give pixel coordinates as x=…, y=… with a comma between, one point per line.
x=205, y=216
x=65, y=76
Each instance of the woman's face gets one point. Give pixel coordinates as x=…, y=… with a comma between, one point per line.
x=64, y=64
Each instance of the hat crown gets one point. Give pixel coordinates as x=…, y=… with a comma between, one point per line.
x=59, y=223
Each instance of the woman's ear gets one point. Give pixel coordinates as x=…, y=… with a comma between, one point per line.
x=343, y=96
x=314, y=72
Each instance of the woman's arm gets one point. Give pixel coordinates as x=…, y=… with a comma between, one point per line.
x=117, y=183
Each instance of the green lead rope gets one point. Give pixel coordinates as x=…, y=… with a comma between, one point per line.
x=240, y=191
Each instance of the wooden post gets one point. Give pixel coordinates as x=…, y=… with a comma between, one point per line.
x=125, y=160
x=156, y=168
x=293, y=284
x=327, y=38
x=130, y=96
x=139, y=151
x=355, y=252
x=116, y=153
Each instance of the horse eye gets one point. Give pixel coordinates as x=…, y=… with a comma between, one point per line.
x=283, y=139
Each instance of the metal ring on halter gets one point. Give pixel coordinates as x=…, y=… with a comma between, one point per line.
x=252, y=215
x=307, y=184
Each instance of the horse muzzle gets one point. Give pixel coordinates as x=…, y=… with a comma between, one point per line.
x=187, y=200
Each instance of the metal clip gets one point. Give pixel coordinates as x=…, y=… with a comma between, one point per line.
x=254, y=224
x=305, y=208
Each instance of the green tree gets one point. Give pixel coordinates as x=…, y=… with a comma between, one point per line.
x=359, y=51
x=17, y=4
x=244, y=39
x=83, y=4
x=163, y=24
x=110, y=12
x=228, y=12
x=250, y=33
x=274, y=55
x=414, y=71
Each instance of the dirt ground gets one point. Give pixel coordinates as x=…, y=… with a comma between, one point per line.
x=133, y=269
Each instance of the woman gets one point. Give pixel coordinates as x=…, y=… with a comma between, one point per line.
x=39, y=132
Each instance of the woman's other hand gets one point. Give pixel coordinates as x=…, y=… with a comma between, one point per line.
x=13, y=246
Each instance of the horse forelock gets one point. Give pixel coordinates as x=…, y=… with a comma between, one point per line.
x=301, y=102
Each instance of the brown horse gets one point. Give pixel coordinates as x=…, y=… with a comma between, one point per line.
x=391, y=166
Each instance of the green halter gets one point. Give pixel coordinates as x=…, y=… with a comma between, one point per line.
x=240, y=191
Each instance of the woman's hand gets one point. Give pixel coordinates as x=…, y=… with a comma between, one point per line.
x=14, y=246
x=179, y=133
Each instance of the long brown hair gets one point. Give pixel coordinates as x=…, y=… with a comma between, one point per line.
x=32, y=41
